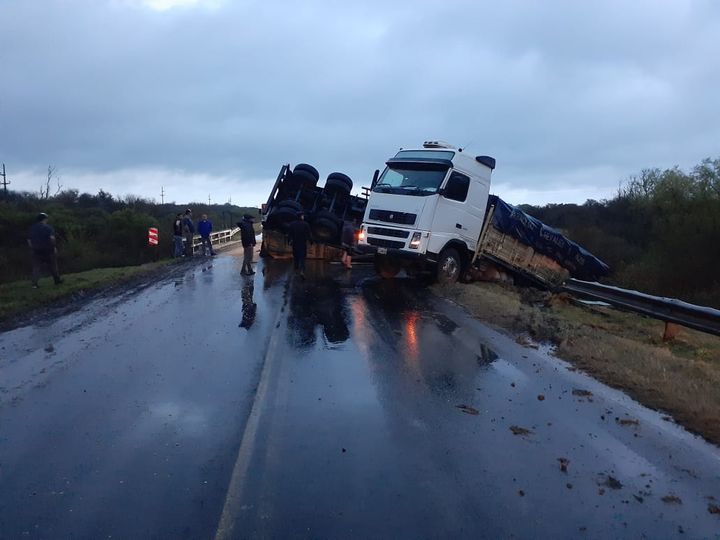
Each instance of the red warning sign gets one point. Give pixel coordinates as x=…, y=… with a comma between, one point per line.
x=152, y=236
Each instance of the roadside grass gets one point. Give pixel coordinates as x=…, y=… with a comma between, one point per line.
x=624, y=350
x=19, y=296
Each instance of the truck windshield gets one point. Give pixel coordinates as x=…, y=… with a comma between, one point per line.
x=420, y=179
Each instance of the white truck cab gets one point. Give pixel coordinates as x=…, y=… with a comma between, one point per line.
x=427, y=209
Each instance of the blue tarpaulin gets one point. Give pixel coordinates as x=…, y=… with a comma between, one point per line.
x=530, y=231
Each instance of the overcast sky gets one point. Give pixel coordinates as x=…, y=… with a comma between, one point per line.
x=211, y=97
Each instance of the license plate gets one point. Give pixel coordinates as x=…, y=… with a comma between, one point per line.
x=382, y=251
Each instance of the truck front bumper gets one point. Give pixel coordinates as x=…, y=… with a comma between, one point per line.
x=367, y=249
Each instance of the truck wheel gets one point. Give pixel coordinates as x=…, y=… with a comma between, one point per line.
x=294, y=205
x=343, y=178
x=308, y=168
x=325, y=229
x=337, y=185
x=280, y=216
x=299, y=180
x=385, y=267
x=449, y=266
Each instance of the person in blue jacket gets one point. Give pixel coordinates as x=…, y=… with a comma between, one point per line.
x=204, y=229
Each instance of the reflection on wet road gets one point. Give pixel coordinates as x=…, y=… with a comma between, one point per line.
x=390, y=414
x=340, y=406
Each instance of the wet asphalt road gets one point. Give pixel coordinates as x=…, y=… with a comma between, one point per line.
x=215, y=405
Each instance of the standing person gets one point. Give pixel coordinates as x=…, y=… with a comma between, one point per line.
x=348, y=240
x=41, y=240
x=189, y=232
x=300, y=234
x=178, y=235
x=247, y=236
x=204, y=229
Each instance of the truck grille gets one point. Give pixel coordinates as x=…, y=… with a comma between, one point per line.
x=393, y=217
x=382, y=231
x=381, y=242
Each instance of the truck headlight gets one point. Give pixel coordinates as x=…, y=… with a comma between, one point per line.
x=415, y=240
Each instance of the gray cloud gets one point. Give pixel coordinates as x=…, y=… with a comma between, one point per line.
x=569, y=97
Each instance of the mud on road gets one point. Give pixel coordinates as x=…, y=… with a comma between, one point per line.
x=623, y=350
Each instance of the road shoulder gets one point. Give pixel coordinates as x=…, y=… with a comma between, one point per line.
x=623, y=350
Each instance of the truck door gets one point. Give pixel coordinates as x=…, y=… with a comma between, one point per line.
x=455, y=215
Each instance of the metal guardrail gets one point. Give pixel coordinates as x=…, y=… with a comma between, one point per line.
x=670, y=310
x=216, y=238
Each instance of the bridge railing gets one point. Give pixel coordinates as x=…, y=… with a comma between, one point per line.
x=217, y=238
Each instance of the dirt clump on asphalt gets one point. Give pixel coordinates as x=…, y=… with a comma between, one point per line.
x=517, y=430
x=624, y=350
x=468, y=410
x=611, y=482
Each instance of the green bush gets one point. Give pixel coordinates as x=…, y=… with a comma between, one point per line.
x=95, y=231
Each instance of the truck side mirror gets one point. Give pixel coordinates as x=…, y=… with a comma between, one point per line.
x=376, y=174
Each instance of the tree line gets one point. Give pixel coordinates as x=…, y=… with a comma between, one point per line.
x=95, y=231
x=660, y=234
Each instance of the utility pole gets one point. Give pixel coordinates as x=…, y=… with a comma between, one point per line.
x=4, y=180
x=162, y=195
x=208, y=199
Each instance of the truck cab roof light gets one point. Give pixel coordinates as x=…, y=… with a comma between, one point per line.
x=437, y=144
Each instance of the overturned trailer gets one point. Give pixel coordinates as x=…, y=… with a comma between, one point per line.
x=326, y=209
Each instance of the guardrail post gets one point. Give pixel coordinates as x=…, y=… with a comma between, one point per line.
x=671, y=330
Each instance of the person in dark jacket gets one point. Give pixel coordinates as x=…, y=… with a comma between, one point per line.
x=189, y=232
x=299, y=234
x=178, y=236
x=41, y=240
x=247, y=237
x=204, y=229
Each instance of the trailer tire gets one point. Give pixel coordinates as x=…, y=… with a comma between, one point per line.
x=342, y=178
x=449, y=266
x=307, y=168
x=325, y=229
x=327, y=214
x=299, y=180
x=337, y=186
x=289, y=203
x=385, y=267
x=281, y=216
